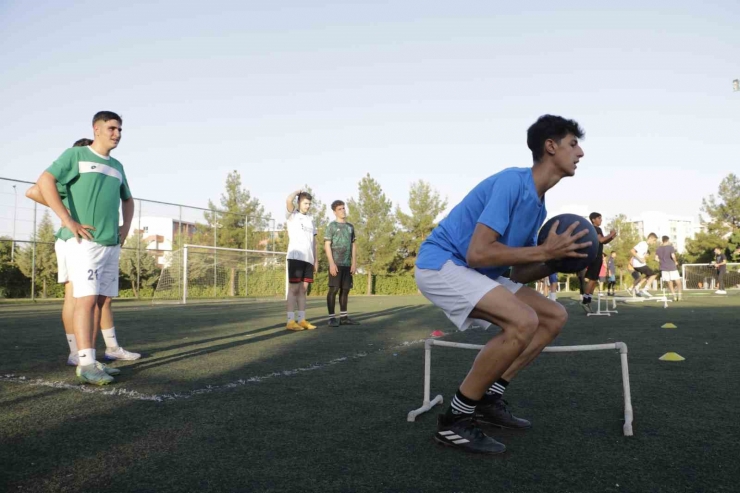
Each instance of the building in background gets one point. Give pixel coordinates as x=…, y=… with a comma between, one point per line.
x=677, y=228
x=159, y=233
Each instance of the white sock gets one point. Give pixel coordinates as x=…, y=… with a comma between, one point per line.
x=87, y=356
x=72, y=341
x=291, y=316
x=343, y=314
x=110, y=338
x=301, y=315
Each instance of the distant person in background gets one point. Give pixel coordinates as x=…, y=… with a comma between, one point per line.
x=639, y=262
x=611, y=273
x=666, y=256
x=302, y=258
x=593, y=271
x=602, y=272
x=341, y=250
x=720, y=263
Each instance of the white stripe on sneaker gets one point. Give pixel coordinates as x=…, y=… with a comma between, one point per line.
x=458, y=442
x=445, y=433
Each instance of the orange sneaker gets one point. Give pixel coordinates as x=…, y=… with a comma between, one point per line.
x=306, y=325
x=292, y=325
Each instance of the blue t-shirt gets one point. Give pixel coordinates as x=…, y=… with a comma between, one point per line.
x=506, y=202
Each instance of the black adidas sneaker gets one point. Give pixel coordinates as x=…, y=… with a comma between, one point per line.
x=464, y=433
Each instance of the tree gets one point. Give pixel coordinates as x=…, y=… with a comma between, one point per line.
x=725, y=213
x=700, y=248
x=723, y=226
x=627, y=237
x=13, y=284
x=240, y=222
x=45, y=257
x=375, y=226
x=426, y=205
x=136, y=258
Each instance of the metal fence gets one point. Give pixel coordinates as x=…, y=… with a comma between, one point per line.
x=158, y=228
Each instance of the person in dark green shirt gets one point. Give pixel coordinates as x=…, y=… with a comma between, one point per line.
x=339, y=244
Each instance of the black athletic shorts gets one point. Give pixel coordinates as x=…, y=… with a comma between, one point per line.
x=635, y=275
x=343, y=279
x=592, y=272
x=645, y=271
x=299, y=271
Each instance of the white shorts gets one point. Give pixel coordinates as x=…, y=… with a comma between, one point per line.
x=92, y=268
x=457, y=289
x=670, y=275
x=61, y=251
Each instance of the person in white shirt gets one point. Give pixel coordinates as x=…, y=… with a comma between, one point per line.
x=639, y=262
x=302, y=258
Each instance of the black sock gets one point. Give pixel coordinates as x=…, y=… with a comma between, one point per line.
x=496, y=391
x=461, y=406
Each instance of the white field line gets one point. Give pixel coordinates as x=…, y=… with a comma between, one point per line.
x=138, y=396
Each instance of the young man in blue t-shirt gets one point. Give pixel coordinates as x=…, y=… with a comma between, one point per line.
x=460, y=265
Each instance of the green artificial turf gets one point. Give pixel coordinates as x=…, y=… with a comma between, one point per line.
x=225, y=399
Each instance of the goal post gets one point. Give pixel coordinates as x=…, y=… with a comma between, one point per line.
x=207, y=273
x=704, y=276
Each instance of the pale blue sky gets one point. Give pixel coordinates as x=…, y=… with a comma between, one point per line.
x=289, y=93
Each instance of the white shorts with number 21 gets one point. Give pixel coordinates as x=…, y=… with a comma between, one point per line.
x=92, y=268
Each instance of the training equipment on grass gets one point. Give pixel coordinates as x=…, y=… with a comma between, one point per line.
x=622, y=347
x=668, y=326
x=568, y=264
x=437, y=333
x=671, y=357
x=203, y=273
x=606, y=311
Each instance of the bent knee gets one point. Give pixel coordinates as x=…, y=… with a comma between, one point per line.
x=557, y=319
x=524, y=326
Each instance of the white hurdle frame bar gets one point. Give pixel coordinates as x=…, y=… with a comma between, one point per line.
x=622, y=347
x=607, y=312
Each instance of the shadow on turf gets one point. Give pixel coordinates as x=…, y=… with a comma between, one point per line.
x=148, y=363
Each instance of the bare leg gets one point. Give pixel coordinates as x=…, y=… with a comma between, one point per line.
x=68, y=310
x=84, y=320
x=552, y=317
x=301, y=297
x=292, y=296
x=518, y=324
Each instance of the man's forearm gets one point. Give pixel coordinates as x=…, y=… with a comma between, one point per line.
x=127, y=207
x=497, y=254
x=530, y=272
x=327, y=250
x=47, y=184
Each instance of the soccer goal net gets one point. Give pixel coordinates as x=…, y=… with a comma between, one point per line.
x=704, y=276
x=202, y=273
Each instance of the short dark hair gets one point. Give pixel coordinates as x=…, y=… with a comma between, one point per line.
x=550, y=127
x=83, y=142
x=105, y=116
x=664, y=238
x=304, y=195
x=593, y=216
x=336, y=204
x=653, y=235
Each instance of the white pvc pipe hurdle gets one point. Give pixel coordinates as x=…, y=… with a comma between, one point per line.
x=428, y=404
